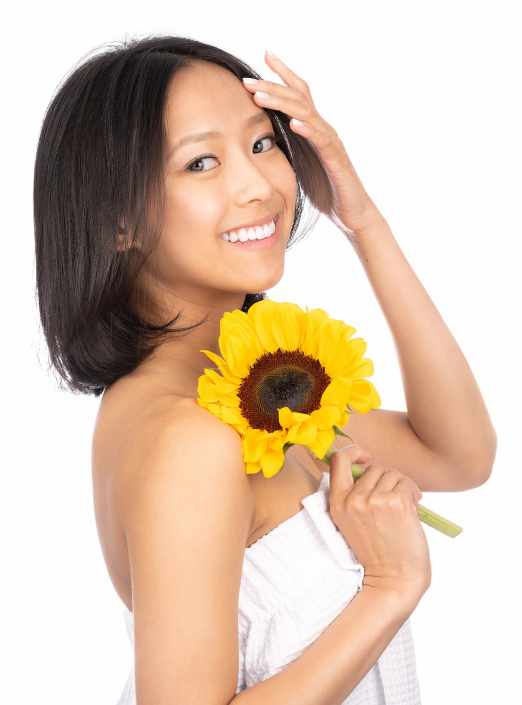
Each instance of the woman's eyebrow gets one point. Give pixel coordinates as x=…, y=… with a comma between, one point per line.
x=200, y=136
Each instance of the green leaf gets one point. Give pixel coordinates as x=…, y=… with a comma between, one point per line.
x=338, y=431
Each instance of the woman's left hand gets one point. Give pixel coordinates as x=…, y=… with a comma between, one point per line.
x=353, y=208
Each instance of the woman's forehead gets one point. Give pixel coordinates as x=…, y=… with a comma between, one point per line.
x=203, y=96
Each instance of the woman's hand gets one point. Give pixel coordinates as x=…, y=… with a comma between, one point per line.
x=378, y=517
x=353, y=208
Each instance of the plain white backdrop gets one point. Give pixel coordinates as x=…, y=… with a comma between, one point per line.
x=426, y=98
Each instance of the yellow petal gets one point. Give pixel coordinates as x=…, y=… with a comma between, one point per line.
x=364, y=386
x=288, y=418
x=239, y=324
x=252, y=468
x=346, y=332
x=236, y=354
x=326, y=417
x=223, y=366
x=363, y=396
x=323, y=441
x=345, y=416
x=257, y=349
x=337, y=392
x=314, y=319
x=261, y=313
x=355, y=349
x=288, y=322
x=253, y=446
x=234, y=418
x=362, y=368
x=328, y=337
x=304, y=434
x=272, y=462
x=222, y=383
x=207, y=390
x=334, y=362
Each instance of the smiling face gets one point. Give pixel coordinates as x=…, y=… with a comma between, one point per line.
x=217, y=184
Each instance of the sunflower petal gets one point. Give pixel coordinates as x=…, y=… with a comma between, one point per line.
x=240, y=326
x=271, y=462
x=328, y=336
x=363, y=396
x=222, y=365
x=346, y=332
x=334, y=362
x=304, y=434
x=288, y=418
x=236, y=354
x=364, y=386
x=326, y=417
x=257, y=349
x=362, y=368
x=252, y=468
x=262, y=314
x=323, y=441
x=288, y=325
x=355, y=349
x=315, y=317
x=337, y=392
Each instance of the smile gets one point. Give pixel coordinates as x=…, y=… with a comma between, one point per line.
x=254, y=237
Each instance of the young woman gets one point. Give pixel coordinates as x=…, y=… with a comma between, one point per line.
x=153, y=156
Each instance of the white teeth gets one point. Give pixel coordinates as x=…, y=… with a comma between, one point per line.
x=254, y=233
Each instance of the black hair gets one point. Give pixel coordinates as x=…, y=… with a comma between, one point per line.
x=98, y=176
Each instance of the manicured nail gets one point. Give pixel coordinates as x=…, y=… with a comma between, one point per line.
x=250, y=80
x=271, y=53
x=300, y=124
x=260, y=94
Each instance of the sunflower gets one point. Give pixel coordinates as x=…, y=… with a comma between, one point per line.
x=287, y=376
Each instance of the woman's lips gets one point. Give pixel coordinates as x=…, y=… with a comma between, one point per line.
x=258, y=244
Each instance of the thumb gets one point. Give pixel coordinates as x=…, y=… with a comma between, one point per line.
x=341, y=478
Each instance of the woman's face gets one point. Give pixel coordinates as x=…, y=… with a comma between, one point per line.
x=246, y=178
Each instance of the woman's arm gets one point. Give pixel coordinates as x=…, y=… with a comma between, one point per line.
x=332, y=666
x=447, y=425
x=447, y=434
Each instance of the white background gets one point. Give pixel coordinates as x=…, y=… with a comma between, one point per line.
x=426, y=98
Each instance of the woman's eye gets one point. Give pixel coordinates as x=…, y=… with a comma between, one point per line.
x=200, y=160
x=266, y=137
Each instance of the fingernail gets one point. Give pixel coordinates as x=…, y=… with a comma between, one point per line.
x=260, y=94
x=271, y=53
x=300, y=124
x=250, y=80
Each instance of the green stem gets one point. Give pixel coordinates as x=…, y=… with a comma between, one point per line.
x=427, y=516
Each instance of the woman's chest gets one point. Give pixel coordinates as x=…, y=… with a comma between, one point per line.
x=278, y=498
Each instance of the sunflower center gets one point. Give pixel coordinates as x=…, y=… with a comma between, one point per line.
x=283, y=378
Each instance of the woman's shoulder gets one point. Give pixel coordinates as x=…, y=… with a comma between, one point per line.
x=133, y=418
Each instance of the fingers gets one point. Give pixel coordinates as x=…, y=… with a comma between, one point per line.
x=341, y=461
x=289, y=77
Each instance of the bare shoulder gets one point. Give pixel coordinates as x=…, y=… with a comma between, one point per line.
x=172, y=440
x=185, y=507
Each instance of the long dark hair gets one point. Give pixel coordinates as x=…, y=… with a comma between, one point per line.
x=99, y=175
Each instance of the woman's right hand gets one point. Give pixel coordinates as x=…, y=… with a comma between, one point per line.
x=378, y=517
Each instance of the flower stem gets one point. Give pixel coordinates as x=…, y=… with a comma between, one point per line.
x=427, y=516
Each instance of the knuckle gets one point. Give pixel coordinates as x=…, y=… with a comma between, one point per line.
x=356, y=500
x=397, y=501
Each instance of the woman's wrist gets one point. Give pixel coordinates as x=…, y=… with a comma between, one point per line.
x=404, y=595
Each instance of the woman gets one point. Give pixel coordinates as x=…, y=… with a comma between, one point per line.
x=155, y=165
